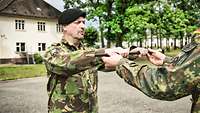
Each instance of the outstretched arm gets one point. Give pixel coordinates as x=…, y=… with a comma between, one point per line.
x=167, y=82
x=64, y=62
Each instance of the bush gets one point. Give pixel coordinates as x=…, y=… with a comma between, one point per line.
x=38, y=58
x=91, y=36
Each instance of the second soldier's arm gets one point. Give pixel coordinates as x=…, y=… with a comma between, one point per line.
x=168, y=82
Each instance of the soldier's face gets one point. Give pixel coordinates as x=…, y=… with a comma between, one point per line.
x=76, y=29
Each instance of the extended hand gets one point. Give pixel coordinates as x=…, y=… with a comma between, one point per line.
x=139, y=51
x=112, y=61
x=118, y=50
x=155, y=57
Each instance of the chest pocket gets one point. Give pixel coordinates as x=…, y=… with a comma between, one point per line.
x=186, y=52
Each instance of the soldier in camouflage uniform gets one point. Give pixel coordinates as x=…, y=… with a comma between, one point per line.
x=72, y=68
x=172, y=79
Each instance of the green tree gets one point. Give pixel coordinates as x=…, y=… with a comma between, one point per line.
x=136, y=20
x=91, y=36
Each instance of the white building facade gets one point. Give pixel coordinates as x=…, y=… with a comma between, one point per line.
x=24, y=35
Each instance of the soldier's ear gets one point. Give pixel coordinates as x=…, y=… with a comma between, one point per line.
x=64, y=29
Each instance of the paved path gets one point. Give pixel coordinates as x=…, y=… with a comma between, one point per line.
x=115, y=96
x=23, y=96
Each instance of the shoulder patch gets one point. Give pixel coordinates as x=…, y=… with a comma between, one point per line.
x=189, y=47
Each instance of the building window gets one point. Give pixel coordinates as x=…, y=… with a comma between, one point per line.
x=20, y=47
x=41, y=26
x=59, y=28
x=19, y=24
x=41, y=46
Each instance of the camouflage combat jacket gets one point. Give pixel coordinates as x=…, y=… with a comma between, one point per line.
x=72, y=84
x=178, y=78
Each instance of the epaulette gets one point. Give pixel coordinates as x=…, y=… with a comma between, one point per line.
x=189, y=47
x=187, y=50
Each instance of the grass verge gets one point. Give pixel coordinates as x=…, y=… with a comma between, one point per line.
x=12, y=72
x=173, y=53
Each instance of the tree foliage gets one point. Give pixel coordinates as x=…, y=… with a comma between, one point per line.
x=91, y=36
x=135, y=20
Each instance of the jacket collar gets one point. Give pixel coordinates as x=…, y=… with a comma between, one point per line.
x=66, y=43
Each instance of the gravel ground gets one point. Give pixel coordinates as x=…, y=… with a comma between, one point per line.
x=115, y=96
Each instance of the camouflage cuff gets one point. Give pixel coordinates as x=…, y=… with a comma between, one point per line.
x=122, y=61
x=121, y=66
x=98, y=60
x=100, y=51
x=167, y=60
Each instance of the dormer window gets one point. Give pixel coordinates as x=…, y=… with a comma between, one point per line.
x=39, y=9
x=14, y=10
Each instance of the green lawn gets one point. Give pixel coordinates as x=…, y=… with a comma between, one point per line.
x=10, y=72
x=173, y=53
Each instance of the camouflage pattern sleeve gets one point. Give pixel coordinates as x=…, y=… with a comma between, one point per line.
x=64, y=62
x=168, y=82
x=168, y=59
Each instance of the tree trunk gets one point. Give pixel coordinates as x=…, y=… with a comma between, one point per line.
x=186, y=40
x=121, y=10
x=161, y=43
x=181, y=43
x=140, y=42
x=101, y=35
x=157, y=42
x=158, y=37
x=109, y=12
x=145, y=41
x=175, y=43
x=151, y=38
x=108, y=41
x=137, y=43
x=119, y=40
x=167, y=44
x=181, y=39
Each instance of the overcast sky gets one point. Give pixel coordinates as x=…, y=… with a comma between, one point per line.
x=59, y=4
